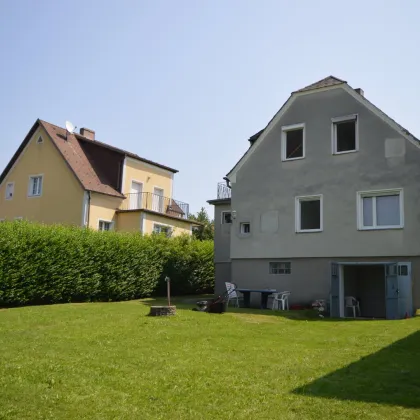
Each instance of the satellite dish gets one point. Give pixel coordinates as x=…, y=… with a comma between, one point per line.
x=70, y=127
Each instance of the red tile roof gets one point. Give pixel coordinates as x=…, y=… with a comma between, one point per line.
x=88, y=170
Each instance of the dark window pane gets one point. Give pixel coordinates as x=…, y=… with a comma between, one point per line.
x=227, y=217
x=294, y=144
x=310, y=215
x=346, y=136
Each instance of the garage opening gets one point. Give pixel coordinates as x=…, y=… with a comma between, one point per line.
x=366, y=283
x=382, y=290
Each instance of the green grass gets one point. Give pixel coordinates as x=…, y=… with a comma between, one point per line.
x=110, y=361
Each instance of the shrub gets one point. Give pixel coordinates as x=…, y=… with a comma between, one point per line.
x=50, y=264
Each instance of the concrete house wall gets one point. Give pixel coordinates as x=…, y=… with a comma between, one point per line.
x=265, y=190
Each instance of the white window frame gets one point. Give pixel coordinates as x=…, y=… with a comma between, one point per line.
x=13, y=190
x=334, y=122
x=374, y=194
x=280, y=262
x=241, y=228
x=31, y=177
x=298, y=200
x=223, y=218
x=18, y=218
x=284, y=130
x=111, y=223
x=164, y=225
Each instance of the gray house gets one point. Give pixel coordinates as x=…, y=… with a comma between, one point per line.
x=325, y=203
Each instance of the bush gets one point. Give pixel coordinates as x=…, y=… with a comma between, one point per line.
x=51, y=264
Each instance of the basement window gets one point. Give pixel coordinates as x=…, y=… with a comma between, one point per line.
x=344, y=132
x=280, y=268
x=293, y=142
x=309, y=214
x=245, y=228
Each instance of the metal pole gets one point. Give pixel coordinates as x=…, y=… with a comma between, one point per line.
x=168, y=282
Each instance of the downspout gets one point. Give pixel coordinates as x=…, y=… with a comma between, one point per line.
x=88, y=212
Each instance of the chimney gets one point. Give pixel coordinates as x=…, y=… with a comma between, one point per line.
x=88, y=133
x=360, y=91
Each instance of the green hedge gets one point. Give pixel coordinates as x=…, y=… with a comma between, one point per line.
x=50, y=264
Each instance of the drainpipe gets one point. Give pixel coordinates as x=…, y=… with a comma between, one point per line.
x=88, y=212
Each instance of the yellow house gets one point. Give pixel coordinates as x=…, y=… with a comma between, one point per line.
x=59, y=177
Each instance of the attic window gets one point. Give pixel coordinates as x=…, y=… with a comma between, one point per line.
x=293, y=142
x=40, y=140
x=344, y=131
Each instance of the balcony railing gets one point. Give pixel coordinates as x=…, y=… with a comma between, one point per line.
x=223, y=191
x=157, y=203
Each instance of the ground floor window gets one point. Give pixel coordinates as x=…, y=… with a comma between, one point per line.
x=280, y=267
x=167, y=230
x=380, y=209
x=309, y=213
x=104, y=225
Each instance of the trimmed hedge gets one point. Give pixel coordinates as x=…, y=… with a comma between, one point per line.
x=42, y=264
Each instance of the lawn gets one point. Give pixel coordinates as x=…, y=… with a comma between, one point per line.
x=111, y=361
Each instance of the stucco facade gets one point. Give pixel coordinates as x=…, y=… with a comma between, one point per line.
x=265, y=191
x=61, y=177
x=61, y=199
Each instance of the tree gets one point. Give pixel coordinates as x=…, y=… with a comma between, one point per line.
x=206, y=229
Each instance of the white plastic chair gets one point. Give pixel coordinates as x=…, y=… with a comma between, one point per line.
x=232, y=294
x=282, y=298
x=352, y=302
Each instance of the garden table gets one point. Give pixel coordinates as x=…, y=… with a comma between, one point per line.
x=264, y=296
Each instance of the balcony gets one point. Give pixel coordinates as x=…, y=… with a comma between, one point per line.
x=223, y=191
x=157, y=203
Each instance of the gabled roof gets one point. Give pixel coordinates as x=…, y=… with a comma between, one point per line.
x=81, y=159
x=329, y=82
x=326, y=82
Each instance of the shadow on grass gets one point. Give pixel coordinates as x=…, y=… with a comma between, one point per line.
x=390, y=376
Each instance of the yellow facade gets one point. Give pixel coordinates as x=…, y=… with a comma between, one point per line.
x=149, y=176
x=103, y=207
x=61, y=199
x=179, y=227
x=141, y=221
x=129, y=221
x=64, y=200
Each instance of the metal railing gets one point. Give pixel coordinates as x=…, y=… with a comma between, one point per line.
x=223, y=191
x=157, y=203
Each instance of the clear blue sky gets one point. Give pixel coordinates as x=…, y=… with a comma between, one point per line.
x=187, y=82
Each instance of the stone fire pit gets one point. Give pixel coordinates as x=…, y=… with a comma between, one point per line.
x=162, y=310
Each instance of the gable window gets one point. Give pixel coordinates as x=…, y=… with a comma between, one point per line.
x=35, y=186
x=10, y=190
x=280, y=268
x=105, y=225
x=245, y=228
x=167, y=230
x=344, y=134
x=380, y=209
x=309, y=213
x=226, y=217
x=40, y=140
x=293, y=142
